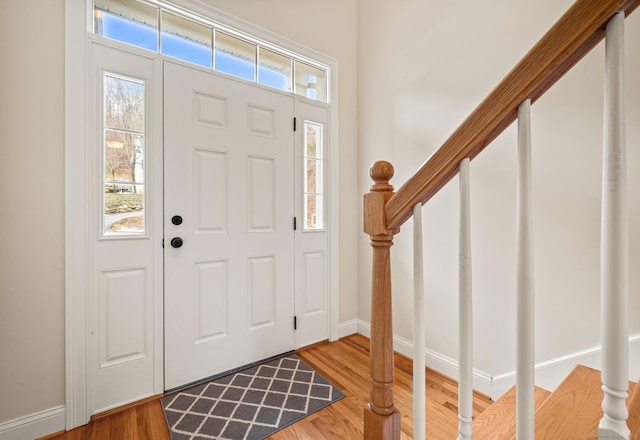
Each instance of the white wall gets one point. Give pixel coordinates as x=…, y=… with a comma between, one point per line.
x=31, y=207
x=423, y=67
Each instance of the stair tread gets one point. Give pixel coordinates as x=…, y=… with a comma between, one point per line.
x=499, y=420
x=574, y=409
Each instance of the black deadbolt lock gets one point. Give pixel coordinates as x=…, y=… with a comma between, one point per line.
x=176, y=220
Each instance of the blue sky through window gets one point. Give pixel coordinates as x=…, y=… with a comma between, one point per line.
x=128, y=31
x=235, y=65
x=141, y=35
x=184, y=49
x=273, y=78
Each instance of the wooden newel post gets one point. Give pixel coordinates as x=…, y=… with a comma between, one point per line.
x=381, y=418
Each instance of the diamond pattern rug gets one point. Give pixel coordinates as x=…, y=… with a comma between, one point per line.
x=250, y=404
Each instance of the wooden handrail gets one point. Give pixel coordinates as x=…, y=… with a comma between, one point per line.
x=568, y=41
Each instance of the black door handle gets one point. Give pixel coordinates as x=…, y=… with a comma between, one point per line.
x=176, y=242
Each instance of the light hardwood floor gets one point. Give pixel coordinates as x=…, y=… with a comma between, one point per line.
x=346, y=364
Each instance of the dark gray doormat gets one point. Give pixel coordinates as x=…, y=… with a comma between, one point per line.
x=250, y=404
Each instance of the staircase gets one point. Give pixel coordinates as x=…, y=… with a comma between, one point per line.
x=587, y=404
x=572, y=411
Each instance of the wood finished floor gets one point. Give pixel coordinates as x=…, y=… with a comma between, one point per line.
x=346, y=364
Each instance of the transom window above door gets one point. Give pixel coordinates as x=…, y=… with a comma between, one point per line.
x=165, y=28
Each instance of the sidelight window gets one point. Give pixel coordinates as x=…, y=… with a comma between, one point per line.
x=123, y=156
x=313, y=177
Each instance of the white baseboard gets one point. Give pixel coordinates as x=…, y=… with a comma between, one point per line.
x=549, y=373
x=482, y=381
x=347, y=328
x=35, y=425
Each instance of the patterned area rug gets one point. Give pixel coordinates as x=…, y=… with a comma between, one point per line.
x=250, y=404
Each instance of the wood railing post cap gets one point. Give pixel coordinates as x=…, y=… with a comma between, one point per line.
x=381, y=172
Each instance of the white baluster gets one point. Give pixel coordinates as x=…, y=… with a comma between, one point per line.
x=615, y=254
x=525, y=375
x=419, y=329
x=465, y=310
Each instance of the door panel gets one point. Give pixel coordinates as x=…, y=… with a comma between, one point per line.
x=229, y=289
x=211, y=189
x=311, y=256
x=124, y=290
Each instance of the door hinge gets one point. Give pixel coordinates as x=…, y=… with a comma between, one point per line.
x=295, y=323
x=295, y=226
x=163, y=243
x=294, y=124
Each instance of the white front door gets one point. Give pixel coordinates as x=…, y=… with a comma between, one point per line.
x=229, y=238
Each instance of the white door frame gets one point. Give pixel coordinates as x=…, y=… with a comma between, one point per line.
x=77, y=242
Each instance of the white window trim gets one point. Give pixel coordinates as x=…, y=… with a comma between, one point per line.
x=77, y=17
